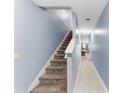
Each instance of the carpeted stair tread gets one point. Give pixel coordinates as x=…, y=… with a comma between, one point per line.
x=64, y=59
x=53, y=76
x=66, y=42
x=56, y=67
x=59, y=55
x=60, y=51
x=62, y=48
x=49, y=89
x=58, y=62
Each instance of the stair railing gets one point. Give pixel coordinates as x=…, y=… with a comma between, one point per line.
x=68, y=55
x=73, y=56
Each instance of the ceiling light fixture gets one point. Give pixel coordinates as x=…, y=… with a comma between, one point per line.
x=87, y=19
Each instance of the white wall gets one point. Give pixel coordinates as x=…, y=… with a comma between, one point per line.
x=100, y=46
x=37, y=35
x=76, y=57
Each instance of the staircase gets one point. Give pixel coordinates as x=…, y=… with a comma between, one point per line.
x=54, y=80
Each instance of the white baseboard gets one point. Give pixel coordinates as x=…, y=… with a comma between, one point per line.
x=101, y=81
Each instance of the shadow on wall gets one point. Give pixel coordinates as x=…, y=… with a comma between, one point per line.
x=37, y=35
x=100, y=46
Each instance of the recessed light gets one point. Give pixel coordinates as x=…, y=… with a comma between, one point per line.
x=87, y=19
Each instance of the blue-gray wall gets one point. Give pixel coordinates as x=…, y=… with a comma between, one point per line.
x=37, y=35
x=100, y=46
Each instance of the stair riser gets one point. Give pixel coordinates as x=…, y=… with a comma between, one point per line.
x=51, y=82
x=56, y=71
x=70, y=34
x=60, y=52
x=67, y=42
x=62, y=48
x=59, y=57
x=58, y=64
x=69, y=37
x=63, y=61
x=65, y=45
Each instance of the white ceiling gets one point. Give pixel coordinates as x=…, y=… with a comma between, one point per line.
x=83, y=9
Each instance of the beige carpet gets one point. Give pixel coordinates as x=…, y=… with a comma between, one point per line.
x=88, y=80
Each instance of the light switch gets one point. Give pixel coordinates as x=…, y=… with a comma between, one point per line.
x=16, y=56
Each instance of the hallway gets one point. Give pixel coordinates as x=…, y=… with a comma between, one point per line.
x=46, y=61
x=88, y=80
